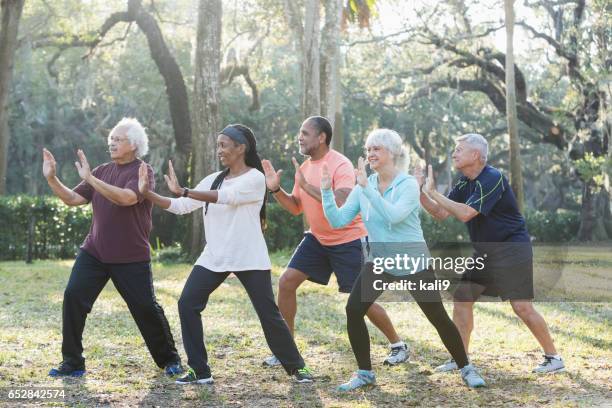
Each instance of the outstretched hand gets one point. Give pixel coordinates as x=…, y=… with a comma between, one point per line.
x=82, y=165
x=143, y=179
x=326, y=181
x=272, y=176
x=419, y=175
x=360, y=173
x=172, y=180
x=430, y=184
x=49, y=164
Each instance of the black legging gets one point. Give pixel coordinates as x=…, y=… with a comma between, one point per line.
x=430, y=303
x=258, y=285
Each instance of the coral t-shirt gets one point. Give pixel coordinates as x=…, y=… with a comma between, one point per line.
x=343, y=176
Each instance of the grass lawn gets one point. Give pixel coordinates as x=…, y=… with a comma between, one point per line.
x=121, y=373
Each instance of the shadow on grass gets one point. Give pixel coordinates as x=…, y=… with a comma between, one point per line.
x=504, y=387
x=593, y=341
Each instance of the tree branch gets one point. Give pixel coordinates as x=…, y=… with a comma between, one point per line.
x=550, y=131
x=379, y=38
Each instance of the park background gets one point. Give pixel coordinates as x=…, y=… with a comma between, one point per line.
x=432, y=70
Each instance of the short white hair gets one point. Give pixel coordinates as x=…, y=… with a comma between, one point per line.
x=477, y=142
x=392, y=142
x=135, y=133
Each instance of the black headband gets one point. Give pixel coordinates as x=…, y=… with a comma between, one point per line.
x=236, y=135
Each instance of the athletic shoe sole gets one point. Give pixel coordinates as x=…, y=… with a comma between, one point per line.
x=200, y=381
x=389, y=363
x=559, y=370
x=365, y=387
x=267, y=364
x=74, y=374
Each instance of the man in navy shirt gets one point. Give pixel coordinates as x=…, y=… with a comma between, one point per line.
x=483, y=199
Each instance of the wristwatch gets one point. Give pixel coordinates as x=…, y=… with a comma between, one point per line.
x=276, y=191
x=185, y=192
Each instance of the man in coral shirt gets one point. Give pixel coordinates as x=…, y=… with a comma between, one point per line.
x=323, y=250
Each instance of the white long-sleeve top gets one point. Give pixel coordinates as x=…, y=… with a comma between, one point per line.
x=234, y=240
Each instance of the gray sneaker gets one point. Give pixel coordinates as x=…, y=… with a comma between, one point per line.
x=359, y=379
x=449, y=365
x=398, y=355
x=550, y=365
x=271, y=361
x=471, y=377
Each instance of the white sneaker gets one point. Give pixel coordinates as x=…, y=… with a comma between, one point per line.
x=471, y=377
x=449, y=365
x=550, y=365
x=271, y=361
x=398, y=355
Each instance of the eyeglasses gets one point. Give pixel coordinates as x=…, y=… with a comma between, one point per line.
x=119, y=139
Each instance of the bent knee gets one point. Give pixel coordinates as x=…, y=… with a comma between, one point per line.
x=290, y=280
x=355, y=309
x=72, y=293
x=189, y=304
x=523, y=308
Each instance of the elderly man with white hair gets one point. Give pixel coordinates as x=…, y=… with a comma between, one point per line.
x=483, y=199
x=116, y=248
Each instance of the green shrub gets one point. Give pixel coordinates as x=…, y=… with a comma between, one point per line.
x=549, y=226
x=170, y=254
x=284, y=230
x=50, y=229
x=449, y=230
x=43, y=225
x=543, y=226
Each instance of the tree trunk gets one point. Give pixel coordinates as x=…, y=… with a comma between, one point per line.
x=11, y=14
x=330, y=58
x=338, y=138
x=206, y=116
x=178, y=102
x=331, y=101
x=175, y=85
x=595, y=215
x=311, y=87
x=511, y=114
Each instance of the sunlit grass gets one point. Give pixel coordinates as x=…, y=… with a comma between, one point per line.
x=120, y=371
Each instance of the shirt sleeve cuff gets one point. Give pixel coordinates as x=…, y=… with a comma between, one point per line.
x=173, y=208
x=224, y=196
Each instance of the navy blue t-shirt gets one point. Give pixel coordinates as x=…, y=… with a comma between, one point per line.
x=499, y=219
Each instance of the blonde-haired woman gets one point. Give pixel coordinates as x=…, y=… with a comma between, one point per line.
x=389, y=204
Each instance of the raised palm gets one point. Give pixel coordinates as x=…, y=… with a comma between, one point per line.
x=172, y=180
x=430, y=183
x=361, y=173
x=143, y=179
x=82, y=165
x=272, y=176
x=326, y=181
x=49, y=164
x=419, y=175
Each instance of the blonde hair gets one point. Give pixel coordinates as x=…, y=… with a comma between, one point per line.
x=392, y=142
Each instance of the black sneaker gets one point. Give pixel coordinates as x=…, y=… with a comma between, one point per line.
x=192, y=378
x=303, y=375
x=67, y=370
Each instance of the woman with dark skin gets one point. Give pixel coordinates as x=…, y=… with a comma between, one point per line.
x=233, y=198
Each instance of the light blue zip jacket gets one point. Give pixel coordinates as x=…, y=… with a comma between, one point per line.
x=392, y=217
